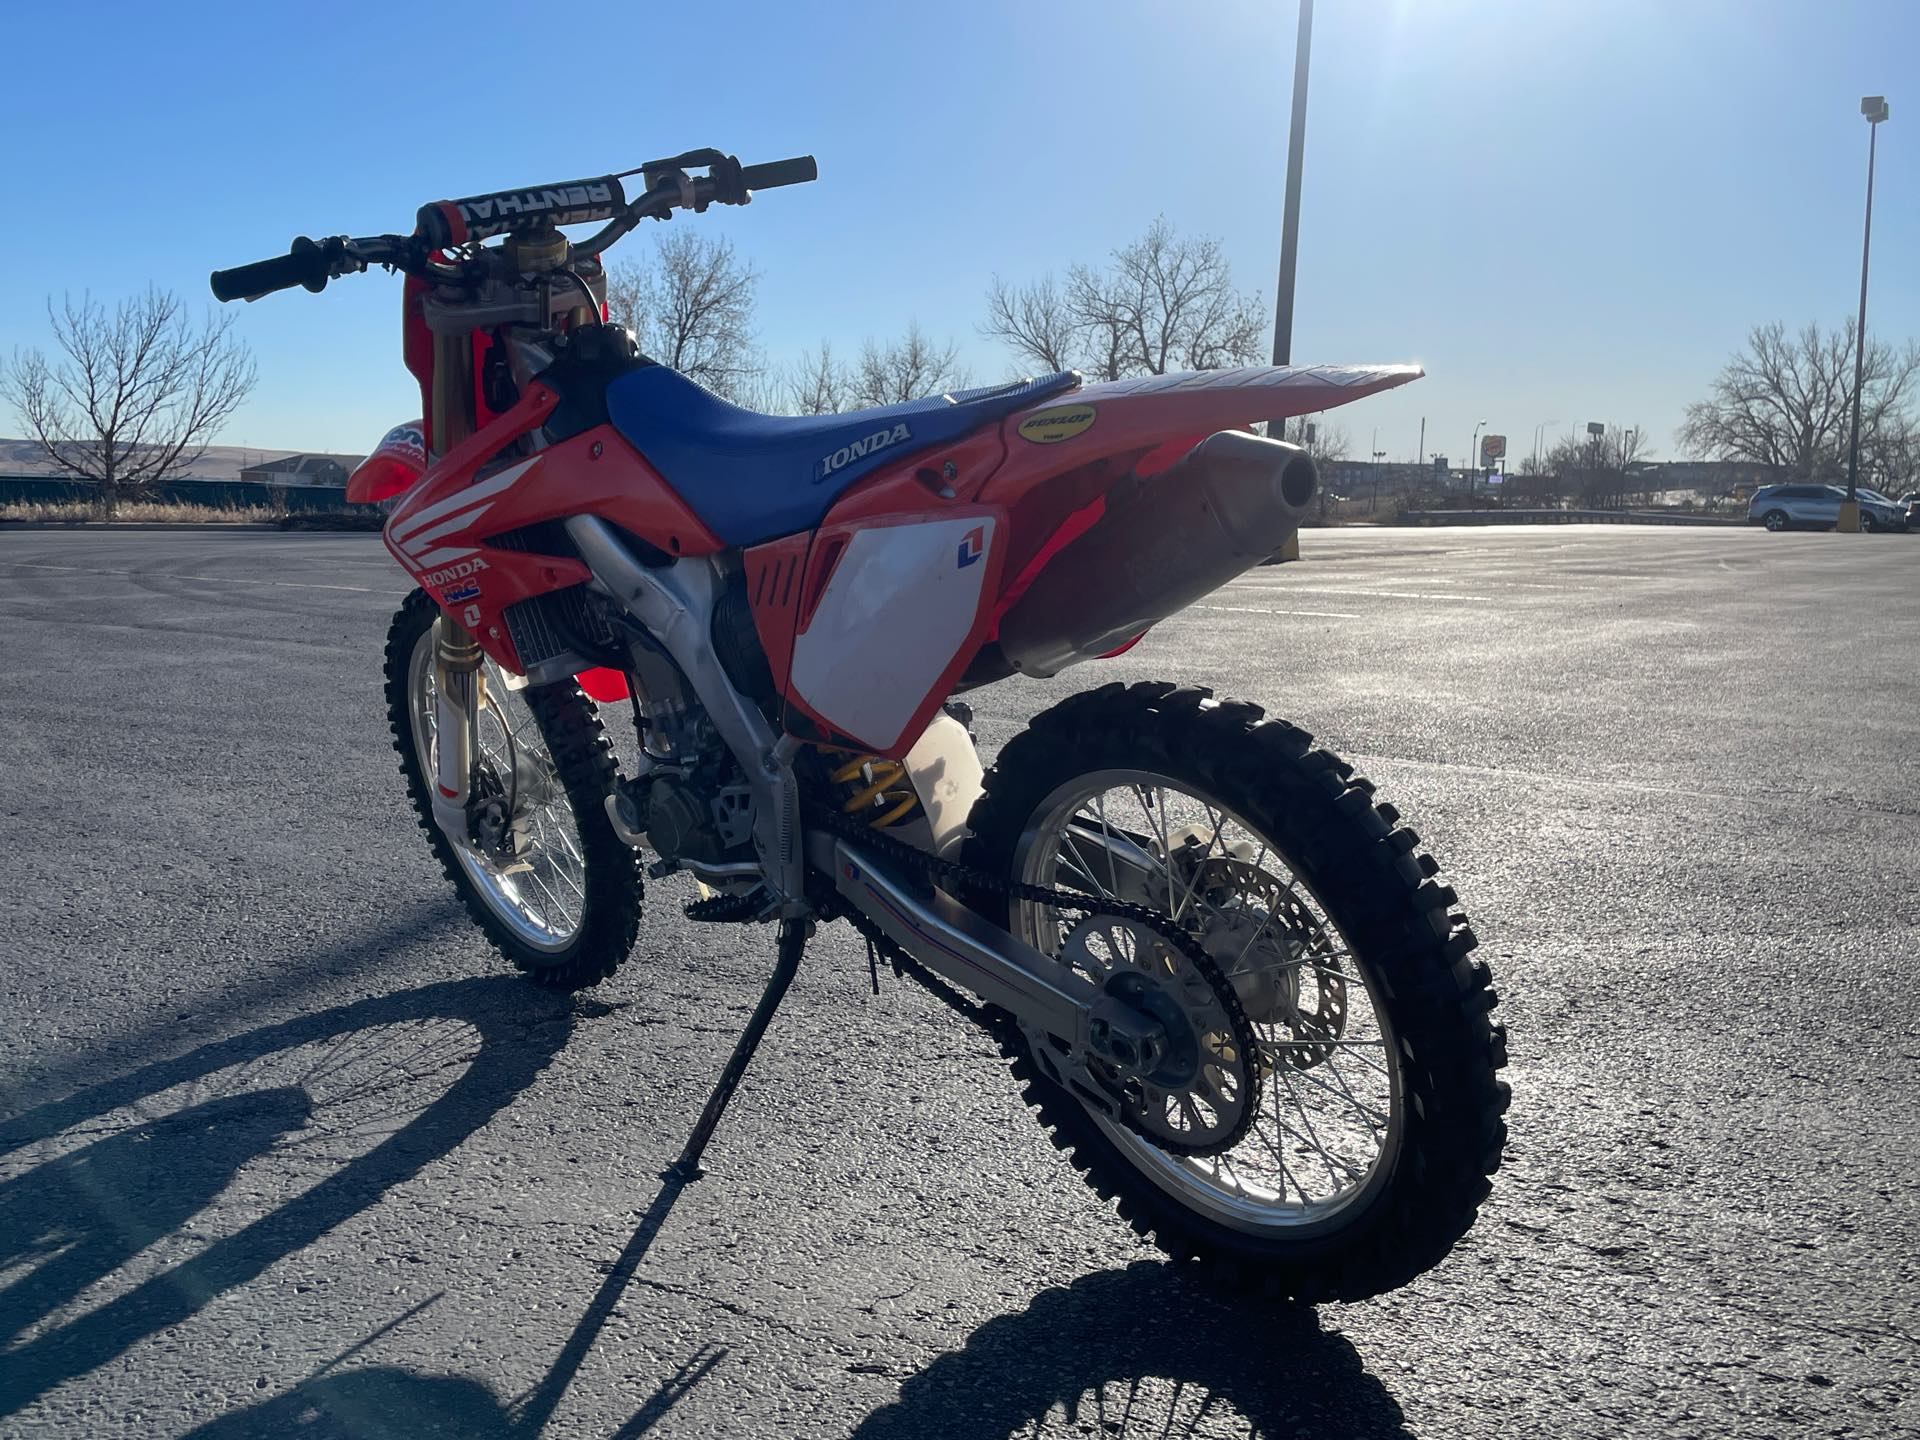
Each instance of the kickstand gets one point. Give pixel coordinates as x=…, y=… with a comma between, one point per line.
x=793, y=941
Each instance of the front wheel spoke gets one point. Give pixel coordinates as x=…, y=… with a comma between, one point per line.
x=558, y=909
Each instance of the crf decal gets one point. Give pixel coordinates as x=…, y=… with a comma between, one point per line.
x=973, y=546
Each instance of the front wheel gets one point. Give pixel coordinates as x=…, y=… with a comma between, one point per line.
x=544, y=875
x=1378, y=1107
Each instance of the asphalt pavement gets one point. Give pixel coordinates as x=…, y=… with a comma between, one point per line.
x=283, y=1150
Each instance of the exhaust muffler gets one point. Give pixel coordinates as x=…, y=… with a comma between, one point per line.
x=1164, y=541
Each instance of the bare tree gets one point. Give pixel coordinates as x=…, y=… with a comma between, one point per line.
x=909, y=368
x=1164, y=302
x=139, y=396
x=1328, y=442
x=1787, y=400
x=691, y=309
x=1035, y=321
x=1599, y=469
x=816, y=384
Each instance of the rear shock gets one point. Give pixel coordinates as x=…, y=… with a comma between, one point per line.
x=872, y=789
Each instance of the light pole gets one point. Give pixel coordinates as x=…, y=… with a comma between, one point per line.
x=1874, y=107
x=1290, y=220
x=1473, y=452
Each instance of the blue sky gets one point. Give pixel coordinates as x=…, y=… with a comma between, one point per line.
x=1567, y=212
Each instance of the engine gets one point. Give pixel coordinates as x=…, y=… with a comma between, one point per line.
x=690, y=798
x=698, y=809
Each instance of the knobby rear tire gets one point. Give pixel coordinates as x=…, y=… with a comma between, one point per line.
x=584, y=761
x=1366, y=870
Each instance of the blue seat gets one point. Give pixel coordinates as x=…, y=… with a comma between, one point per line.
x=754, y=477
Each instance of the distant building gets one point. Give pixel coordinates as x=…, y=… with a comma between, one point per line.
x=302, y=470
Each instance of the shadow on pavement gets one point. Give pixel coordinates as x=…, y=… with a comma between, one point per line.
x=1144, y=1351
x=391, y=1403
x=278, y=977
x=77, y=1219
x=123, y=1192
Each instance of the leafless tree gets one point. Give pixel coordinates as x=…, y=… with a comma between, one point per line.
x=909, y=368
x=691, y=309
x=1164, y=302
x=1599, y=469
x=1327, y=443
x=816, y=384
x=1787, y=400
x=135, y=395
x=1035, y=321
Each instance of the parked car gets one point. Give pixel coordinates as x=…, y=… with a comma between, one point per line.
x=1912, y=501
x=1786, y=507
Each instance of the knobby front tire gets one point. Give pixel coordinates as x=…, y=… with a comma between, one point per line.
x=583, y=763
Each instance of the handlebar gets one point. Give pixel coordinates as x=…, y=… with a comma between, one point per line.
x=797, y=171
x=449, y=223
x=305, y=264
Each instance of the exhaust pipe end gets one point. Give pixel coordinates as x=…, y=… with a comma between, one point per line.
x=1299, y=480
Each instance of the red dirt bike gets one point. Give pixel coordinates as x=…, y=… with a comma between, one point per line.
x=1223, y=971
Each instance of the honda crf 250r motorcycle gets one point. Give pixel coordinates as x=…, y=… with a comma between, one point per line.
x=1223, y=970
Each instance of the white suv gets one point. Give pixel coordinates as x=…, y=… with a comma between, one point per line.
x=1783, y=507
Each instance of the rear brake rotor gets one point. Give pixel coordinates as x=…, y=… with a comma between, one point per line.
x=1264, y=940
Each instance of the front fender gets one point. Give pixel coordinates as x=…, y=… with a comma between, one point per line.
x=394, y=467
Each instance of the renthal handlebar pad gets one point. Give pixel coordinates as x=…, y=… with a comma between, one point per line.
x=572, y=202
x=306, y=264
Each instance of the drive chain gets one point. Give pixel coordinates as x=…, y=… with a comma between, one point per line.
x=960, y=880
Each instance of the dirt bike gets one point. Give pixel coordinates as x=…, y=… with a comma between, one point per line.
x=1223, y=971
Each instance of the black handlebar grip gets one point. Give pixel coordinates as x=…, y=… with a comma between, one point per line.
x=305, y=264
x=478, y=217
x=797, y=171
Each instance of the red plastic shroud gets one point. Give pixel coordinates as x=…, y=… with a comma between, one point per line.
x=439, y=532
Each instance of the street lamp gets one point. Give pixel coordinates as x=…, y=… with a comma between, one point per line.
x=1874, y=107
x=1473, y=453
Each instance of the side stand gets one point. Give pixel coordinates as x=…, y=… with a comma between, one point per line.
x=792, y=942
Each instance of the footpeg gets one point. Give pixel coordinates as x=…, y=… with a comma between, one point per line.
x=726, y=909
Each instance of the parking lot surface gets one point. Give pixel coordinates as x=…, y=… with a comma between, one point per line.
x=284, y=1151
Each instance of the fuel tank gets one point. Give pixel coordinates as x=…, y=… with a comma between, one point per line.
x=1164, y=541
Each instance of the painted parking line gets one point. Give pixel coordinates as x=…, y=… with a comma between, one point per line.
x=1263, y=610
x=210, y=579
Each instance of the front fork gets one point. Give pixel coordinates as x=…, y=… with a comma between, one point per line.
x=456, y=710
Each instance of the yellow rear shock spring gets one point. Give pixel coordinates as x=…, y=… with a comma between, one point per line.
x=877, y=790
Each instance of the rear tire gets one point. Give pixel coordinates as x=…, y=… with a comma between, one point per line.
x=583, y=762
x=1776, y=520
x=1408, y=944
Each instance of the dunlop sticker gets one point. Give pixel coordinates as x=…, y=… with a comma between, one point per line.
x=1050, y=427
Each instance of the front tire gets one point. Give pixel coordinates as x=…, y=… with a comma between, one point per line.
x=1411, y=966
x=573, y=926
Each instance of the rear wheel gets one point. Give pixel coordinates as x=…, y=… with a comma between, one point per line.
x=1378, y=1110
x=1776, y=520
x=544, y=875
